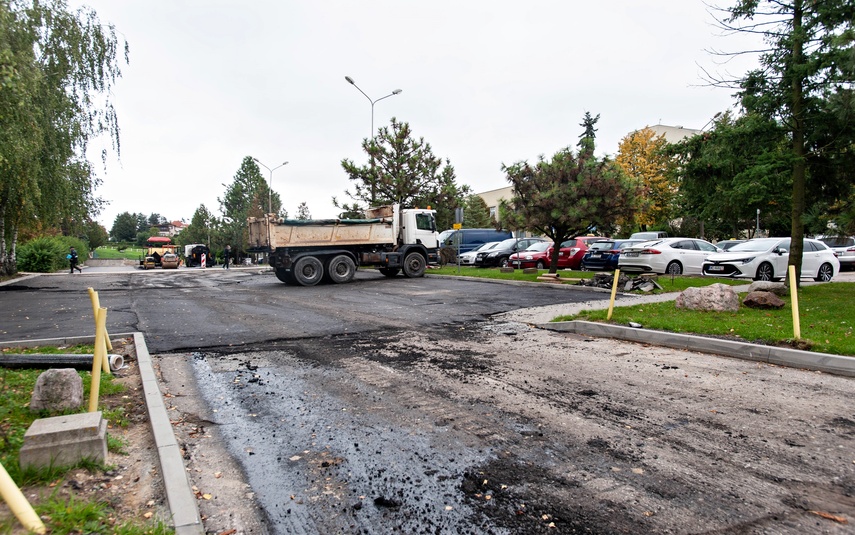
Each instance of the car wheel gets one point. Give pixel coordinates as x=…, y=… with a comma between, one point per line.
x=504, y=262
x=540, y=265
x=674, y=268
x=765, y=272
x=825, y=273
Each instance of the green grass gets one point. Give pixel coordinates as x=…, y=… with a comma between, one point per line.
x=111, y=253
x=16, y=388
x=63, y=516
x=826, y=316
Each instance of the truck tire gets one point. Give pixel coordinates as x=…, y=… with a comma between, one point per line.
x=389, y=272
x=414, y=265
x=341, y=269
x=308, y=271
x=285, y=276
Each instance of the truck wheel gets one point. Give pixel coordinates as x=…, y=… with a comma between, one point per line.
x=285, y=276
x=414, y=265
x=308, y=271
x=389, y=272
x=341, y=269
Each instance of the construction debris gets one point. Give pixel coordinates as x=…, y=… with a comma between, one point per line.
x=644, y=283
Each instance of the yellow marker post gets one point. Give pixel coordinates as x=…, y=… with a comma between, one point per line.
x=18, y=504
x=794, y=299
x=100, y=356
x=96, y=304
x=614, y=291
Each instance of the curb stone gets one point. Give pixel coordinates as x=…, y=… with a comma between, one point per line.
x=179, y=494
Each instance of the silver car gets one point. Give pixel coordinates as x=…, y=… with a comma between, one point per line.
x=844, y=249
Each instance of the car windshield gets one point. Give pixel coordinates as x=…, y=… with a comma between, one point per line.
x=538, y=247
x=484, y=246
x=507, y=244
x=602, y=245
x=629, y=243
x=755, y=246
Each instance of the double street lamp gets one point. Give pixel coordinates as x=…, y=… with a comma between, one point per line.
x=270, y=184
x=373, y=102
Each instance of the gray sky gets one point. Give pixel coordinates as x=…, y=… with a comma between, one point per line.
x=484, y=82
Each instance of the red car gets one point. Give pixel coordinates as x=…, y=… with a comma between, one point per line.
x=569, y=256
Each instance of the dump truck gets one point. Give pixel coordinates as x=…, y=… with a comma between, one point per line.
x=304, y=252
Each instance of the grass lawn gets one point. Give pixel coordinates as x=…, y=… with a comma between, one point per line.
x=75, y=515
x=826, y=316
x=110, y=253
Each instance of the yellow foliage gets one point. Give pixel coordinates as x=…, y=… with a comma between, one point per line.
x=641, y=156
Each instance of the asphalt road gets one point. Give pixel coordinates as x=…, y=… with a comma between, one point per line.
x=195, y=309
x=403, y=406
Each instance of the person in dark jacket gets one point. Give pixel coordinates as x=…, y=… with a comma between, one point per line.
x=226, y=253
x=72, y=260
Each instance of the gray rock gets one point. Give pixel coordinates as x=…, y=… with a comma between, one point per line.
x=763, y=300
x=57, y=389
x=716, y=297
x=777, y=288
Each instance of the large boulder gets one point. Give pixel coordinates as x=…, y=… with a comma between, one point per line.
x=57, y=389
x=777, y=288
x=763, y=300
x=716, y=297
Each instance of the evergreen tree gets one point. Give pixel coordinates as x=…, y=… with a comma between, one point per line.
x=303, y=213
x=124, y=227
x=476, y=213
x=404, y=171
x=246, y=196
x=805, y=85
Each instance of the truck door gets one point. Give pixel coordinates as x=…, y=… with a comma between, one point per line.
x=425, y=230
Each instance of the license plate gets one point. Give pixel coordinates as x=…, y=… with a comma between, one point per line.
x=631, y=254
x=596, y=255
x=715, y=268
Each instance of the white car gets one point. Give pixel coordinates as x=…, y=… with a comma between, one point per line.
x=468, y=258
x=765, y=259
x=674, y=256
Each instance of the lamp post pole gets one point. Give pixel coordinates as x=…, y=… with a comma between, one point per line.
x=270, y=183
x=373, y=102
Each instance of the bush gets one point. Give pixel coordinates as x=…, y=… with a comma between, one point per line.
x=47, y=254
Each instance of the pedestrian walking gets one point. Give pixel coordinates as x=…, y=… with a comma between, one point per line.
x=226, y=253
x=72, y=260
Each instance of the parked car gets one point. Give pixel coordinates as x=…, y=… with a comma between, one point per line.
x=648, y=235
x=498, y=256
x=674, y=256
x=844, y=249
x=727, y=244
x=466, y=239
x=766, y=259
x=468, y=258
x=569, y=254
x=603, y=255
x=537, y=256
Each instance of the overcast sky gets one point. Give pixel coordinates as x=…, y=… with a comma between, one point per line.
x=484, y=82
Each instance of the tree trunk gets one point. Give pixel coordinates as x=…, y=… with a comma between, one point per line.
x=3, y=262
x=797, y=108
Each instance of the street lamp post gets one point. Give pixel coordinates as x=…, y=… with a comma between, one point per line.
x=270, y=183
x=373, y=102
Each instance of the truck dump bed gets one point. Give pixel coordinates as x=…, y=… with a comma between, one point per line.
x=319, y=232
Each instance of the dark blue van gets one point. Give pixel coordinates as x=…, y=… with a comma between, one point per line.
x=470, y=238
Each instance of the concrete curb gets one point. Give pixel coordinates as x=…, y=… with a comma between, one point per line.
x=824, y=362
x=179, y=493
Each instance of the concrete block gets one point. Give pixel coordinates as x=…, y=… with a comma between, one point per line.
x=65, y=440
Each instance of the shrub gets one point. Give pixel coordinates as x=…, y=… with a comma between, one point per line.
x=47, y=254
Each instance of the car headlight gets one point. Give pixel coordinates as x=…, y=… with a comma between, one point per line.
x=528, y=257
x=746, y=260
x=493, y=254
